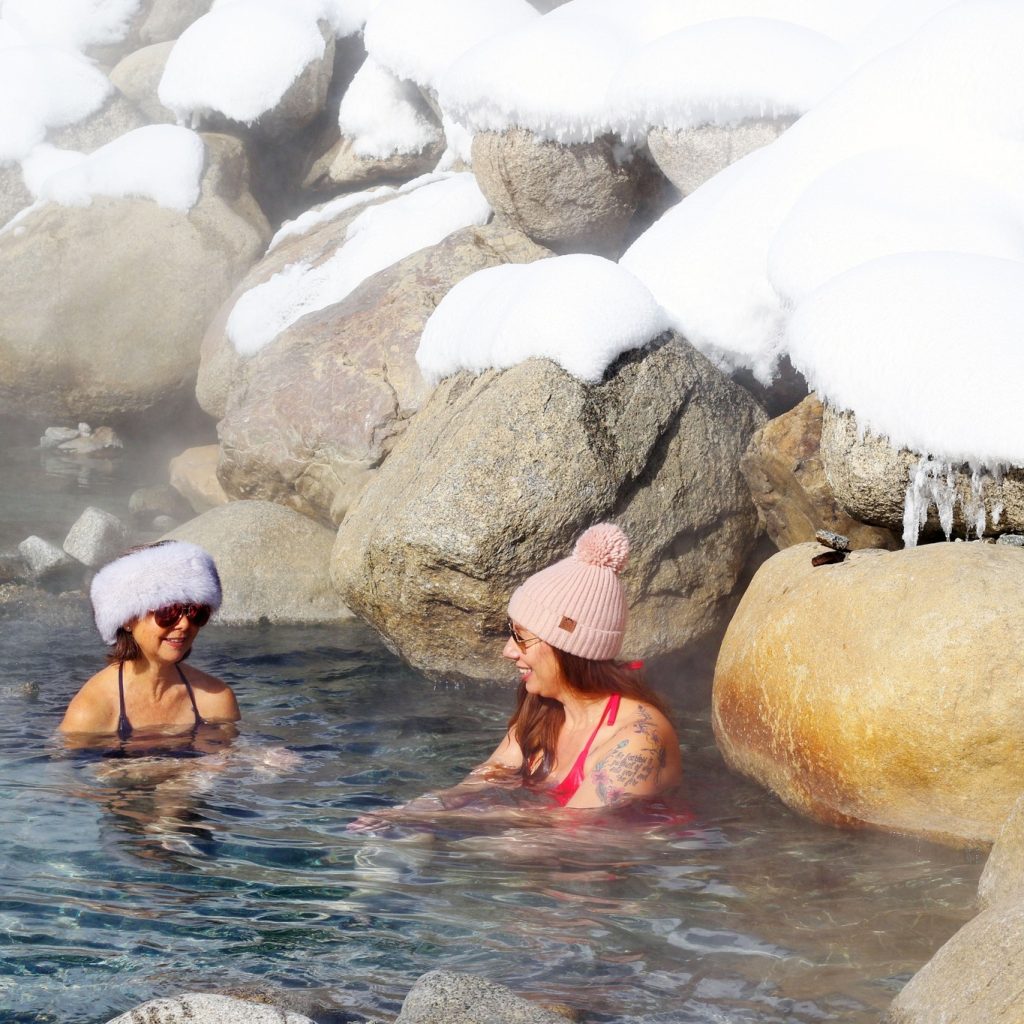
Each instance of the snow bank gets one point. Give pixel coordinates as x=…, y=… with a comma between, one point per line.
x=419, y=39
x=71, y=24
x=549, y=75
x=384, y=116
x=726, y=71
x=950, y=89
x=892, y=201
x=925, y=347
x=42, y=87
x=580, y=311
x=240, y=59
x=160, y=162
x=379, y=237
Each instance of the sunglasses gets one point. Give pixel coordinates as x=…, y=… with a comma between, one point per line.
x=169, y=615
x=521, y=641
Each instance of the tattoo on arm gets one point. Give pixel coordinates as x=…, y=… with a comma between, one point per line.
x=623, y=770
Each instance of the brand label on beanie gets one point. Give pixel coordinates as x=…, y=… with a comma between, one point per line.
x=567, y=624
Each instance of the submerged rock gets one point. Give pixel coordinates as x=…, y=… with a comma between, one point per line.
x=497, y=476
x=569, y=198
x=96, y=538
x=115, y=334
x=870, y=478
x=454, y=998
x=273, y=563
x=315, y=412
x=883, y=691
x=207, y=1008
x=975, y=978
x=783, y=468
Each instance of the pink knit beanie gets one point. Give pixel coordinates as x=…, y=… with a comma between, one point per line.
x=578, y=604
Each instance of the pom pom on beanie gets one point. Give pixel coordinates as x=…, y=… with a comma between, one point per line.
x=578, y=604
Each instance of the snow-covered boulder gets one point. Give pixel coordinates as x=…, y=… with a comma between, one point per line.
x=138, y=76
x=895, y=488
x=273, y=563
x=783, y=468
x=579, y=197
x=162, y=21
x=386, y=131
x=881, y=691
x=496, y=476
x=106, y=334
x=275, y=84
x=320, y=407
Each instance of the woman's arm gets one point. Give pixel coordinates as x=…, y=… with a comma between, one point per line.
x=640, y=760
x=90, y=710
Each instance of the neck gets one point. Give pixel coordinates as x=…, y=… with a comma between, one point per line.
x=582, y=711
x=159, y=675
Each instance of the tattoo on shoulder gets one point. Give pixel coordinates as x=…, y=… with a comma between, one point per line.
x=624, y=768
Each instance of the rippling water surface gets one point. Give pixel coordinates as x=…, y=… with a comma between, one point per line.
x=125, y=879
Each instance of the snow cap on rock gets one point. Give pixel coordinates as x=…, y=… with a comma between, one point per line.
x=578, y=604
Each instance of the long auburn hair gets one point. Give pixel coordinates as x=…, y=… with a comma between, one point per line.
x=537, y=721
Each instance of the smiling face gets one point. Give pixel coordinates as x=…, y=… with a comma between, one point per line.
x=167, y=644
x=538, y=666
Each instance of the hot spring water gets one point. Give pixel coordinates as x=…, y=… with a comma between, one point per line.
x=126, y=879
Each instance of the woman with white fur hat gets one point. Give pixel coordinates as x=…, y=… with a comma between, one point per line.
x=149, y=605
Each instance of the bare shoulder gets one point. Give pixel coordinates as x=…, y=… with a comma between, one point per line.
x=95, y=707
x=215, y=698
x=639, y=757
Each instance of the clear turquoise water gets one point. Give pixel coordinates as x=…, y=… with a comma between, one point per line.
x=122, y=880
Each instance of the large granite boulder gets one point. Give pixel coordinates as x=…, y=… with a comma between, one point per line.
x=273, y=563
x=193, y=474
x=113, y=119
x=570, y=198
x=221, y=368
x=138, y=75
x=870, y=479
x=112, y=333
x=881, y=691
x=454, y=998
x=690, y=156
x=496, y=477
x=787, y=481
x=315, y=412
x=975, y=978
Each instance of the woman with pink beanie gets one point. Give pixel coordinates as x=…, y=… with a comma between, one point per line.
x=586, y=729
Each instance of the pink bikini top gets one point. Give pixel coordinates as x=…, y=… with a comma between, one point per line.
x=566, y=789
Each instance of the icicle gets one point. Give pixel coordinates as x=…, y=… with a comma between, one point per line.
x=933, y=482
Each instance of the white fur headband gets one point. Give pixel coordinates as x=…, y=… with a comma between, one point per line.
x=134, y=584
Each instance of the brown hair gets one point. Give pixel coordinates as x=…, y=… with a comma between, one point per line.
x=537, y=721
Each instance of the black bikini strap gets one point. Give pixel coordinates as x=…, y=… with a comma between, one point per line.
x=191, y=696
x=124, y=727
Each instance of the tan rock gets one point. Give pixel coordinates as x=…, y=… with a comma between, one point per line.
x=497, y=475
x=273, y=563
x=320, y=407
x=193, y=474
x=109, y=333
x=340, y=167
x=14, y=195
x=1002, y=881
x=882, y=691
x=783, y=469
x=138, y=75
x=975, y=978
x=570, y=198
x=690, y=157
